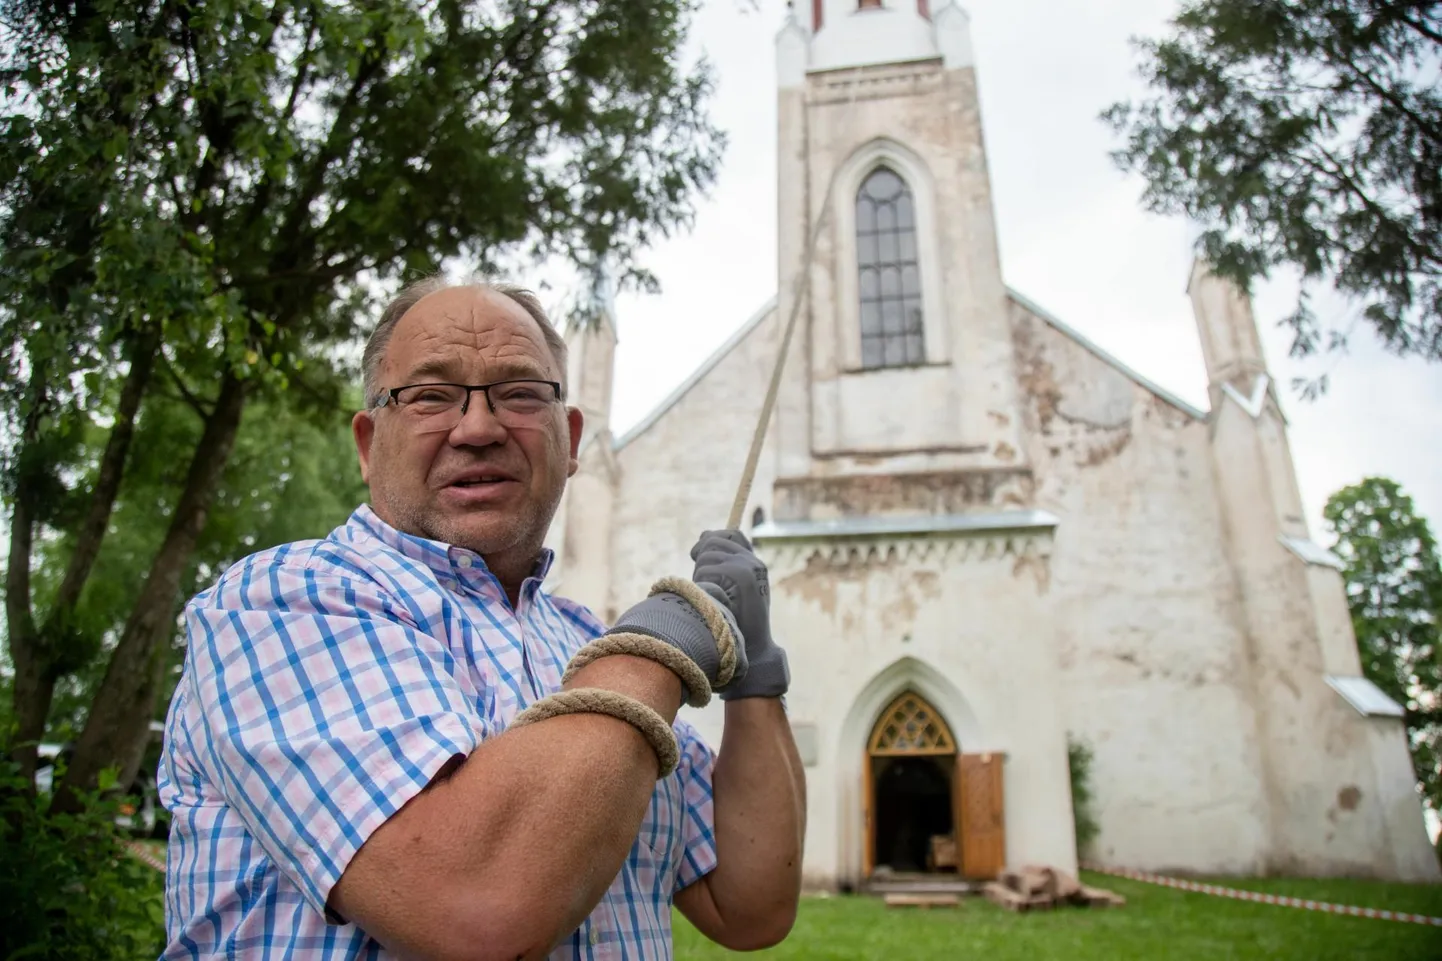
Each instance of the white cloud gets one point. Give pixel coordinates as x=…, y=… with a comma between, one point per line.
x=1071, y=232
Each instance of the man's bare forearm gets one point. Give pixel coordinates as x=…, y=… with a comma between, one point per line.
x=513, y=850
x=749, y=901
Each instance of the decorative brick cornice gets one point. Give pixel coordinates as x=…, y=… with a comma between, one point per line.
x=874, y=83
x=885, y=551
x=1028, y=534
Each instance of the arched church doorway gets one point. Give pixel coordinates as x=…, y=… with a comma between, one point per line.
x=911, y=760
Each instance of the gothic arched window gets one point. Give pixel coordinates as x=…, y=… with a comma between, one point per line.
x=890, y=276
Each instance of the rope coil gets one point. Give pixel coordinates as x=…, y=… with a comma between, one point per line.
x=594, y=700
x=698, y=687
x=711, y=613
x=653, y=649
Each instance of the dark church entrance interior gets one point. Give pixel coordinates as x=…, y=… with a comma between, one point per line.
x=913, y=813
x=911, y=768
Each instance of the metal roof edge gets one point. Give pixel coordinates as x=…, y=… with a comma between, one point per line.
x=706, y=367
x=887, y=526
x=1312, y=553
x=1069, y=331
x=1365, y=696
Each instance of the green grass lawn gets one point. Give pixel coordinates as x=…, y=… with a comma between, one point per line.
x=1156, y=923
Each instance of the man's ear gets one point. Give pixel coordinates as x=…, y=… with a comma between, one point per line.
x=576, y=423
x=363, y=429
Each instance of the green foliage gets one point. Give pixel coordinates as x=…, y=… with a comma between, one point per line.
x=200, y=205
x=1083, y=802
x=1156, y=923
x=69, y=890
x=1394, y=590
x=1305, y=133
x=293, y=476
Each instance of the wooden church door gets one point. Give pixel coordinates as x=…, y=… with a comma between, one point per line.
x=908, y=794
x=980, y=815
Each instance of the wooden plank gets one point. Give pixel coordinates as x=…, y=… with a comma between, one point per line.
x=1099, y=898
x=980, y=815
x=1000, y=894
x=922, y=901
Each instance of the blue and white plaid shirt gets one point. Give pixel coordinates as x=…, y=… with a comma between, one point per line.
x=326, y=683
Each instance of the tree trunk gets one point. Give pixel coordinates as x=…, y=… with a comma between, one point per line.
x=33, y=650
x=144, y=346
x=31, y=693
x=119, y=723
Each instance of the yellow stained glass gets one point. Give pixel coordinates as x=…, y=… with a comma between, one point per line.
x=911, y=726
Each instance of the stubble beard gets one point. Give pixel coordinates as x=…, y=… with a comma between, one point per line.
x=516, y=535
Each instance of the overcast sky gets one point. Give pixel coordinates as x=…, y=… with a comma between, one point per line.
x=1072, y=234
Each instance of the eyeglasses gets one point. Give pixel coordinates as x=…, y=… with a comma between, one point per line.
x=431, y=408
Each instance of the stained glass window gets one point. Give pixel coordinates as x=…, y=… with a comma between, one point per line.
x=911, y=726
x=890, y=275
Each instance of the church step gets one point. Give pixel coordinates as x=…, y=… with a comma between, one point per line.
x=920, y=884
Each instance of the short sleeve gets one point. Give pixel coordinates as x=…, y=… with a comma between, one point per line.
x=698, y=818
x=324, y=710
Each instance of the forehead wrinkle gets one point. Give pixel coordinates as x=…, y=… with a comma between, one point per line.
x=502, y=343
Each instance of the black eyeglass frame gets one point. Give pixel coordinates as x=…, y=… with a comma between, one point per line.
x=391, y=397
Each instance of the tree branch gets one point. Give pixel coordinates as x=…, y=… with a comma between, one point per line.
x=144, y=346
x=33, y=685
x=302, y=67
x=1365, y=76
x=338, y=136
x=266, y=186
x=121, y=711
x=194, y=402
x=1420, y=27
x=19, y=615
x=1338, y=174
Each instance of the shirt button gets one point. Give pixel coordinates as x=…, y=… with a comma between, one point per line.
x=595, y=936
x=465, y=562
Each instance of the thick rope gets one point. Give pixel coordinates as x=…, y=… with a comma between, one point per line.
x=802, y=292
x=651, y=648
x=716, y=622
x=593, y=700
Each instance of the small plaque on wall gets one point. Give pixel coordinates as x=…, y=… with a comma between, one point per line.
x=807, y=741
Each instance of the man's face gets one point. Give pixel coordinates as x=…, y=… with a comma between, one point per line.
x=481, y=485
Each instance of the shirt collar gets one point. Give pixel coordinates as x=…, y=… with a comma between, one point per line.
x=442, y=558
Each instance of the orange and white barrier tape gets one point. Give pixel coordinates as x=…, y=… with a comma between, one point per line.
x=140, y=853
x=1259, y=897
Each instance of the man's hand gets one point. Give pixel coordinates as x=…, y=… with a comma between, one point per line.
x=727, y=569
x=670, y=618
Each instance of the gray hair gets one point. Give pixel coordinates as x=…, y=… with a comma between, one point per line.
x=414, y=293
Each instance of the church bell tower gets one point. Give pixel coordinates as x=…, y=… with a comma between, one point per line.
x=887, y=237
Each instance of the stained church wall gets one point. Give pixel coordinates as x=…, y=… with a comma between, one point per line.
x=1152, y=663
x=971, y=609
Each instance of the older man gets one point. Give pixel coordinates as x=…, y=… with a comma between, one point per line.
x=343, y=762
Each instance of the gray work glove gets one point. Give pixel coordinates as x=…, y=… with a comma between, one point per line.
x=671, y=618
x=726, y=563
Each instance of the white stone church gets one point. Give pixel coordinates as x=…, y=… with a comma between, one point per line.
x=986, y=535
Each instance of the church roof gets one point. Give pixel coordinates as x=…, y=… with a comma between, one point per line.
x=1047, y=317
x=1084, y=342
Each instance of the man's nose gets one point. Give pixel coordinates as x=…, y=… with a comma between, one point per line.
x=478, y=427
